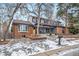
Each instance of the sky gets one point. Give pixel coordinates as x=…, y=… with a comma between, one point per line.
x=19, y=16
x=24, y=17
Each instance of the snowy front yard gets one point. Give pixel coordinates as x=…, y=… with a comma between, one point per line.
x=24, y=49
x=71, y=52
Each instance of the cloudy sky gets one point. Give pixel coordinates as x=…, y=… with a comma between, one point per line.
x=24, y=17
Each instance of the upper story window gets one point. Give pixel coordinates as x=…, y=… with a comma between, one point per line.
x=34, y=20
x=46, y=21
x=23, y=28
x=42, y=21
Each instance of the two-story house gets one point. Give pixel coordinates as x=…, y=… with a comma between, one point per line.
x=22, y=28
x=47, y=25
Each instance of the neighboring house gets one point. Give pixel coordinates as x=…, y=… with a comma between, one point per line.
x=22, y=28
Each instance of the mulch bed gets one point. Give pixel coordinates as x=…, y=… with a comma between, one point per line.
x=36, y=37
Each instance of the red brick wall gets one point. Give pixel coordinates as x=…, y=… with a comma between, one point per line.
x=59, y=30
x=30, y=30
x=66, y=30
x=18, y=34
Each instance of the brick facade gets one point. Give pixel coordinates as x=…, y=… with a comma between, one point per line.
x=18, y=34
x=61, y=30
x=66, y=30
x=32, y=29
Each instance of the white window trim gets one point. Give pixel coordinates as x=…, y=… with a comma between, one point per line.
x=23, y=31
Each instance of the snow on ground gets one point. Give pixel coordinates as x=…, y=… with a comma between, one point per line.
x=71, y=52
x=23, y=49
x=19, y=53
x=67, y=42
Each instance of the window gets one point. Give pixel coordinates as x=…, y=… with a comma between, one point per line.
x=34, y=20
x=53, y=30
x=42, y=30
x=42, y=21
x=46, y=21
x=23, y=28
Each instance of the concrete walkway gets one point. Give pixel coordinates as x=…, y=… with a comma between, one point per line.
x=53, y=52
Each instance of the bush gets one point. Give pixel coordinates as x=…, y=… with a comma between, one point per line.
x=73, y=30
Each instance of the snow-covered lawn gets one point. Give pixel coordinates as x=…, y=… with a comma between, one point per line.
x=24, y=49
x=71, y=52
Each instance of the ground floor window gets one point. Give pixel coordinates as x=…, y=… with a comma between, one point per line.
x=23, y=28
x=52, y=30
x=46, y=30
x=42, y=30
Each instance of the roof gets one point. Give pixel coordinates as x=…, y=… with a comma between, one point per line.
x=21, y=22
x=53, y=23
x=40, y=17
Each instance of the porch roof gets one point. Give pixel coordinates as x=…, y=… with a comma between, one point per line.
x=21, y=22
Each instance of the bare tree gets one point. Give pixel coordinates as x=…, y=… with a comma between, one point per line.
x=11, y=18
x=49, y=12
x=36, y=9
x=1, y=27
x=40, y=9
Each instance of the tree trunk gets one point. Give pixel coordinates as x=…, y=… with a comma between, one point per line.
x=5, y=34
x=38, y=24
x=16, y=8
x=38, y=19
x=66, y=19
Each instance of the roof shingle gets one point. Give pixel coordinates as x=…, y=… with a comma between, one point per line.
x=21, y=22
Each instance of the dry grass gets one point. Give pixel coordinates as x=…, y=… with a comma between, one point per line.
x=4, y=42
